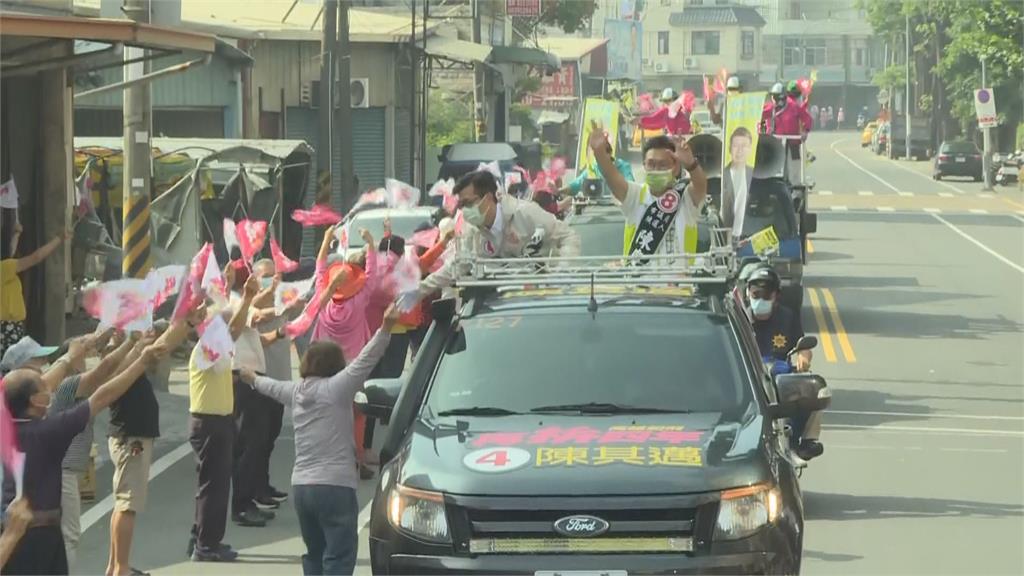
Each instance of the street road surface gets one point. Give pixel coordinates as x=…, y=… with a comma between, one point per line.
x=916, y=291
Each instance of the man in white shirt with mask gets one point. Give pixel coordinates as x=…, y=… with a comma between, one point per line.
x=499, y=227
x=736, y=180
x=659, y=220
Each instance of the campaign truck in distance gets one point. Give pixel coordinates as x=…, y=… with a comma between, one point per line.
x=920, y=138
x=649, y=440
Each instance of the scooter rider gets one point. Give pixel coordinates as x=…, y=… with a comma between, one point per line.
x=777, y=329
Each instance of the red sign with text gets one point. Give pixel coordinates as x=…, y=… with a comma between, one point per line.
x=557, y=90
x=522, y=8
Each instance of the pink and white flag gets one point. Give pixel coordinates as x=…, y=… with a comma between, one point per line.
x=288, y=293
x=491, y=167
x=318, y=215
x=370, y=198
x=215, y=343
x=445, y=189
x=190, y=293
x=9, y=195
x=406, y=274
x=426, y=238
x=401, y=195
x=213, y=282
x=230, y=237
x=282, y=263
x=252, y=234
x=164, y=282
x=11, y=457
x=124, y=304
x=300, y=325
x=83, y=194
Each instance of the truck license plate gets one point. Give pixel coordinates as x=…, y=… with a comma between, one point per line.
x=961, y=159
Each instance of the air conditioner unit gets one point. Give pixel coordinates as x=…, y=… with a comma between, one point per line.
x=661, y=67
x=360, y=92
x=306, y=94
x=689, y=62
x=646, y=61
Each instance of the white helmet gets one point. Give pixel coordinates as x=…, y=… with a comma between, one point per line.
x=777, y=89
x=733, y=83
x=668, y=95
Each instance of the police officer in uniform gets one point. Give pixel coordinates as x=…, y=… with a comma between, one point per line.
x=777, y=329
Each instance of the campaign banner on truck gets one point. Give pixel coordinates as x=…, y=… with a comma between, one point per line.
x=742, y=115
x=625, y=48
x=606, y=114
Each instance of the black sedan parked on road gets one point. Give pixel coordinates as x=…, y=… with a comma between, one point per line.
x=958, y=158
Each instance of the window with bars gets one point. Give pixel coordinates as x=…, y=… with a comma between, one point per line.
x=704, y=43
x=663, y=42
x=747, y=38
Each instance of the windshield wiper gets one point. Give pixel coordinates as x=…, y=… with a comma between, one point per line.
x=607, y=408
x=478, y=411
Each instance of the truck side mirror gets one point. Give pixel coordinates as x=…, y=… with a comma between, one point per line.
x=378, y=398
x=800, y=394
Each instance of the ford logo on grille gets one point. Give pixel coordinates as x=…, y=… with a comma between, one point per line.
x=581, y=526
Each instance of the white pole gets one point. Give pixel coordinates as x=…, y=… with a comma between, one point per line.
x=986, y=159
x=906, y=111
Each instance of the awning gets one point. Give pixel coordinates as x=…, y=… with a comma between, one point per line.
x=125, y=32
x=457, y=50
x=525, y=55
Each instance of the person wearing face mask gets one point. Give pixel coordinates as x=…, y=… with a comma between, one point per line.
x=498, y=228
x=659, y=219
x=777, y=329
x=45, y=437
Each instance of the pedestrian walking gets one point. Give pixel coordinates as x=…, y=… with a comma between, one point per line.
x=324, y=477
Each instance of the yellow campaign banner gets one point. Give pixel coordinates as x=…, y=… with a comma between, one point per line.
x=606, y=114
x=765, y=241
x=742, y=115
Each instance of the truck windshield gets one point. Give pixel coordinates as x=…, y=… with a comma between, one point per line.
x=664, y=358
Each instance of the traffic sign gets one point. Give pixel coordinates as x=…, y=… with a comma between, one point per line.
x=985, y=108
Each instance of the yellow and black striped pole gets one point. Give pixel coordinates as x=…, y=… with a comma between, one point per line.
x=138, y=157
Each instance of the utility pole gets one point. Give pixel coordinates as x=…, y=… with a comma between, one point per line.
x=413, y=96
x=325, y=132
x=138, y=159
x=986, y=158
x=906, y=111
x=343, y=113
x=478, y=81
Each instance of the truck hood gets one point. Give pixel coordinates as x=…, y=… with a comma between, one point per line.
x=545, y=455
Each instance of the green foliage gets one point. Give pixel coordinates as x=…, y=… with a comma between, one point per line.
x=519, y=114
x=569, y=15
x=449, y=120
x=894, y=76
x=1020, y=136
x=952, y=37
x=526, y=85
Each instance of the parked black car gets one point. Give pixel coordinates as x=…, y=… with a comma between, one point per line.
x=506, y=456
x=958, y=158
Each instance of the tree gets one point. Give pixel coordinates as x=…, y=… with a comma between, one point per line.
x=569, y=15
x=449, y=120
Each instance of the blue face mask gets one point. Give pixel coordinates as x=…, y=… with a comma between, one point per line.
x=266, y=281
x=761, y=309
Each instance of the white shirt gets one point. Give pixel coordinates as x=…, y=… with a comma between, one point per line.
x=248, y=348
x=739, y=206
x=635, y=206
x=495, y=232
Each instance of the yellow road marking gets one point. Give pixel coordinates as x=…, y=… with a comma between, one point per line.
x=844, y=341
x=823, y=334
x=810, y=247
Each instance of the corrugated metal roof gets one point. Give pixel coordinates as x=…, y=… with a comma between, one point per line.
x=203, y=147
x=457, y=50
x=568, y=48
x=265, y=19
x=717, y=15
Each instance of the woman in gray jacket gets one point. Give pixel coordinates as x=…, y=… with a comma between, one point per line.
x=325, y=477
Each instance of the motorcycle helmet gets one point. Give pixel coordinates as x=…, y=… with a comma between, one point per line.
x=793, y=89
x=733, y=83
x=668, y=95
x=765, y=277
x=776, y=89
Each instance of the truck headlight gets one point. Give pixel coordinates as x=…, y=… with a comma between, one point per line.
x=419, y=514
x=743, y=511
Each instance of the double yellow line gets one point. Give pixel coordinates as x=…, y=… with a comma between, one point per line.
x=824, y=335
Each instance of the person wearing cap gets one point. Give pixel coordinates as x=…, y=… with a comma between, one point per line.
x=772, y=107
x=676, y=124
x=12, y=297
x=777, y=329
x=27, y=353
x=45, y=439
x=733, y=87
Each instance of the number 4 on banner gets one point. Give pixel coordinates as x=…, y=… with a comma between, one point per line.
x=496, y=458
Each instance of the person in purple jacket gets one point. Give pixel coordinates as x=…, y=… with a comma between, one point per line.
x=325, y=475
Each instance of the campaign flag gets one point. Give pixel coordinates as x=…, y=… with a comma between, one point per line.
x=190, y=292
x=318, y=215
x=288, y=293
x=606, y=114
x=370, y=198
x=491, y=167
x=282, y=264
x=742, y=116
x=707, y=89
x=300, y=325
x=10, y=456
x=123, y=304
x=341, y=234
x=213, y=281
x=401, y=195
x=445, y=189
x=406, y=274
x=9, y=195
x=164, y=282
x=230, y=238
x=252, y=234
x=215, y=342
